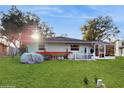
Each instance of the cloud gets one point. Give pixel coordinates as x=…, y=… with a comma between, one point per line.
x=101, y=10
x=56, y=11
x=114, y=11
x=71, y=12
x=79, y=13
x=45, y=8
x=68, y=16
x=97, y=8
x=52, y=9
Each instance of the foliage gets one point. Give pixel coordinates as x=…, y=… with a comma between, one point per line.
x=86, y=81
x=13, y=23
x=61, y=74
x=99, y=28
x=95, y=79
x=46, y=30
x=22, y=49
x=64, y=35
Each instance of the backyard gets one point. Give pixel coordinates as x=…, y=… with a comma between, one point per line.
x=61, y=74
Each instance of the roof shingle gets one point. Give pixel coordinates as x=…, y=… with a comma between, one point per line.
x=70, y=40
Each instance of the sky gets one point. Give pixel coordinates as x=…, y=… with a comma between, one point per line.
x=67, y=19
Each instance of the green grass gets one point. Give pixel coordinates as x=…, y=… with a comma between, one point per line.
x=61, y=74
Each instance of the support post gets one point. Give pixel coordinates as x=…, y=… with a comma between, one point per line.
x=104, y=50
x=94, y=53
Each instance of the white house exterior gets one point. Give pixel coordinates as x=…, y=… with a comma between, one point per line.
x=61, y=46
x=33, y=47
x=56, y=47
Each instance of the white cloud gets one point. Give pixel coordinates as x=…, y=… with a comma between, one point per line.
x=52, y=9
x=65, y=15
x=114, y=11
x=101, y=10
x=46, y=8
x=71, y=16
x=56, y=12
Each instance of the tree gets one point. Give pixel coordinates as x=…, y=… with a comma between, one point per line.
x=46, y=30
x=100, y=28
x=64, y=35
x=13, y=23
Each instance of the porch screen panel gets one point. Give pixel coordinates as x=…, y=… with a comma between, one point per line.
x=96, y=50
x=109, y=50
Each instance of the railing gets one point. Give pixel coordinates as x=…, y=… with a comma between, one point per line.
x=81, y=56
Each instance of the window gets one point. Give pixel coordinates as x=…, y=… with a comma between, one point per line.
x=41, y=47
x=75, y=47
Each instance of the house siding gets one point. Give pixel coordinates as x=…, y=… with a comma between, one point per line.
x=33, y=47
x=56, y=47
x=118, y=51
x=64, y=47
x=82, y=49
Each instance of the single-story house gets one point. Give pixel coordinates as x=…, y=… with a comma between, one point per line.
x=63, y=46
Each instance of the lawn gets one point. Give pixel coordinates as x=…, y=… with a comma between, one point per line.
x=61, y=74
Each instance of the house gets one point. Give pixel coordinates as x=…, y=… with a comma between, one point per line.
x=6, y=47
x=3, y=46
x=64, y=46
x=3, y=49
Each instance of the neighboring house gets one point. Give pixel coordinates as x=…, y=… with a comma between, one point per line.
x=3, y=49
x=119, y=48
x=3, y=46
x=63, y=46
x=7, y=48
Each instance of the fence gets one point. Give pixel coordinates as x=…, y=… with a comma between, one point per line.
x=81, y=56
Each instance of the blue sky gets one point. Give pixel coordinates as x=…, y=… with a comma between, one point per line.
x=67, y=19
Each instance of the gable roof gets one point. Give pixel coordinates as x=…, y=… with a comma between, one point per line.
x=61, y=39
x=71, y=40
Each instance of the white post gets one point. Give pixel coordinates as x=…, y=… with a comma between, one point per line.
x=117, y=49
x=104, y=50
x=94, y=53
x=87, y=52
x=75, y=55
